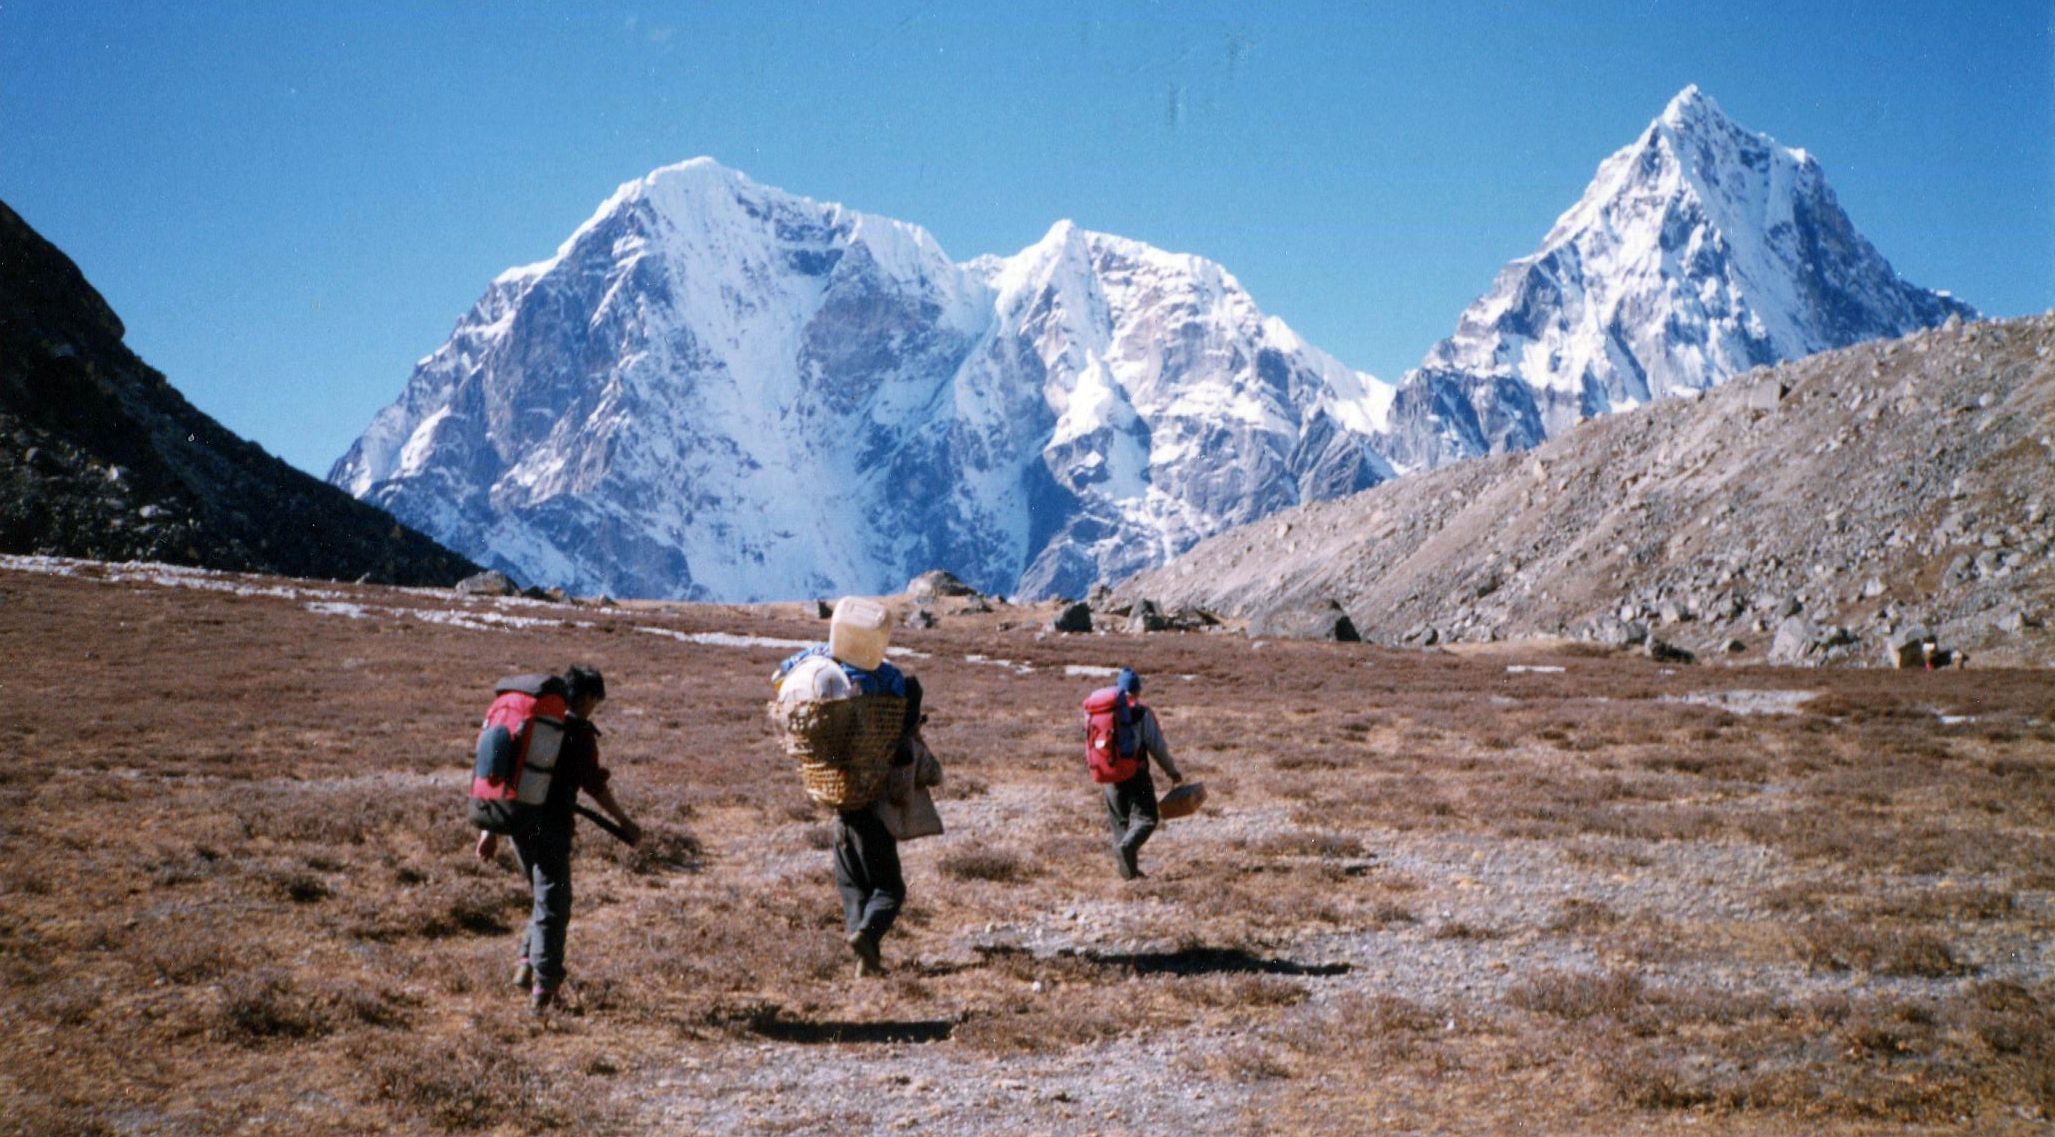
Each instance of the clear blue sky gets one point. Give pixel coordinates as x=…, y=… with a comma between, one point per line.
x=289, y=203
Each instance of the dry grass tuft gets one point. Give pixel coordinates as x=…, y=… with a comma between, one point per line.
x=1838, y=945
x=1578, y=995
x=474, y=1083
x=993, y=866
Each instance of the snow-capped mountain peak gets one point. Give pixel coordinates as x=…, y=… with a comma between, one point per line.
x=719, y=390
x=1699, y=250
x=716, y=389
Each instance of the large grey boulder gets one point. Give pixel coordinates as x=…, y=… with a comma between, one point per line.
x=1324, y=621
x=1908, y=647
x=1802, y=643
x=1145, y=617
x=491, y=582
x=1075, y=617
x=938, y=582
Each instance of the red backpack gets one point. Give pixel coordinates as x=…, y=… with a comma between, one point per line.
x=1113, y=736
x=517, y=751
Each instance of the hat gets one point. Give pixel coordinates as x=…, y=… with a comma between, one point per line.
x=1129, y=683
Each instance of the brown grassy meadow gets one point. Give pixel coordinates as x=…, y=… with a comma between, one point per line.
x=1515, y=890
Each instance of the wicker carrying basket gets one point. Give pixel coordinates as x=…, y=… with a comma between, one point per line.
x=843, y=746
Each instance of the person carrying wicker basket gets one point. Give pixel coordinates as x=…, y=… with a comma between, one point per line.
x=848, y=717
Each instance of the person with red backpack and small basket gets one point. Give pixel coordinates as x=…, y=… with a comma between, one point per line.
x=1121, y=736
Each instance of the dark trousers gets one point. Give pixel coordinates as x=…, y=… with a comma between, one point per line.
x=545, y=856
x=867, y=873
x=1131, y=811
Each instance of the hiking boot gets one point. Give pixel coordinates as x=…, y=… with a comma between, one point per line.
x=542, y=999
x=1124, y=860
x=524, y=975
x=868, y=962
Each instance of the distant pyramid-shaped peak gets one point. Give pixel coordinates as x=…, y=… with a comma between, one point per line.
x=1699, y=250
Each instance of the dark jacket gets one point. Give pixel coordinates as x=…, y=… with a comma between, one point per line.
x=578, y=769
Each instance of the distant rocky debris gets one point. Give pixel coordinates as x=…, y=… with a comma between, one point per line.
x=1144, y=616
x=1822, y=512
x=101, y=458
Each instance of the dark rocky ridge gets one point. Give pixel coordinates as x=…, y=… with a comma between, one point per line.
x=1807, y=513
x=100, y=457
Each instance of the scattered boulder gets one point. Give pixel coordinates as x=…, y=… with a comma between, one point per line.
x=824, y=610
x=938, y=583
x=1794, y=640
x=1909, y=648
x=921, y=617
x=1326, y=621
x=1663, y=651
x=1620, y=633
x=491, y=582
x=1145, y=617
x=1765, y=395
x=1075, y=617
x=1800, y=642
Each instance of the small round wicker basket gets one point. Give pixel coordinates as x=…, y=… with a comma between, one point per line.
x=843, y=746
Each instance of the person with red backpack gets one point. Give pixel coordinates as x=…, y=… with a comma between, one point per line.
x=542, y=835
x=1121, y=736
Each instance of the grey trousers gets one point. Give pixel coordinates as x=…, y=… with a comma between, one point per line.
x=545, y=856
x=867, y=873
x=1131, y=811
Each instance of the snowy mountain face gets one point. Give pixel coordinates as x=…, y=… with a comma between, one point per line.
x=1699, y=251
x=719, y=391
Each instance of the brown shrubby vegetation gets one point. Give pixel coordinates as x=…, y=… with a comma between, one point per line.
x=1429, y=893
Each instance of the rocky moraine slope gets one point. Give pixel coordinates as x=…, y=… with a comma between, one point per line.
x=1815, y=512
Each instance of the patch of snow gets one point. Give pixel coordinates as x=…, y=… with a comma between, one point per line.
x=1747, y=702
x=729, y=639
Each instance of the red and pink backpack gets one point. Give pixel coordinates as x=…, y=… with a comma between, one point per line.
x=1113, y=735
x=517, y=751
